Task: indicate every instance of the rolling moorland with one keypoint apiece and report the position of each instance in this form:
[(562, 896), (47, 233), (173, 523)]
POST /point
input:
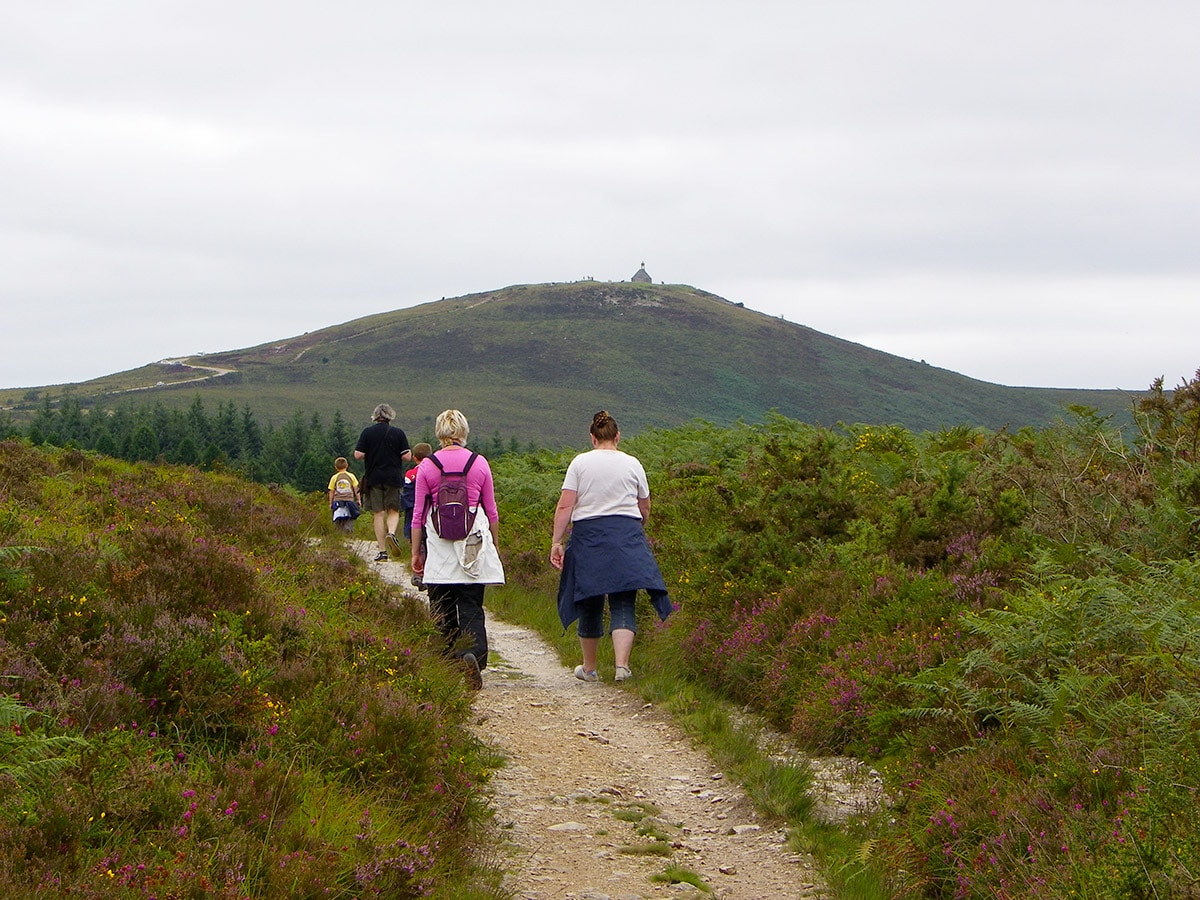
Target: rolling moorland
[(207, 695), (533, 362)]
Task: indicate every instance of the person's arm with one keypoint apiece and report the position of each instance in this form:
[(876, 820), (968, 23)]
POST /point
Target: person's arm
[(562, 518), (644, 509), (417, 528), (358, 454), (417, 563), (487, 500)]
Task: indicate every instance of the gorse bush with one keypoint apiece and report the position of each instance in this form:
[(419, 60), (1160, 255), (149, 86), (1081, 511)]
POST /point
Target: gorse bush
[(1003, 623), (230, 706)]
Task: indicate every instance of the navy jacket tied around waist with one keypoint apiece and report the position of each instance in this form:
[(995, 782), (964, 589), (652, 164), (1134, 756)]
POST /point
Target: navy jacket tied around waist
[(607, 555)]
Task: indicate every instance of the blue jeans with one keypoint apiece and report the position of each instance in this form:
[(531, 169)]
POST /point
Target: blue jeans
[(620, 614)]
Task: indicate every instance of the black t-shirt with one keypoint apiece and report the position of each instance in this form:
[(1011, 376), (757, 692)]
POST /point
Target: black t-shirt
[(384, 446)]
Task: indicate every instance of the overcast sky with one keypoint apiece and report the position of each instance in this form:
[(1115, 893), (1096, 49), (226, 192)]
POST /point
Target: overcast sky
[(1010, 191)]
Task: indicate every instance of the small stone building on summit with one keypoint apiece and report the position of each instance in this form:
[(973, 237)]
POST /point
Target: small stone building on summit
[(641, 276)]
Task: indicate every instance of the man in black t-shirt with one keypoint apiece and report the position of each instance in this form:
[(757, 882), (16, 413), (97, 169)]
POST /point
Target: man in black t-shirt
[(385, 449)]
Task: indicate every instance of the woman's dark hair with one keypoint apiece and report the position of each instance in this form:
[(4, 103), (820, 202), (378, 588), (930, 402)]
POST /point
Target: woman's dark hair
[(604, 426)]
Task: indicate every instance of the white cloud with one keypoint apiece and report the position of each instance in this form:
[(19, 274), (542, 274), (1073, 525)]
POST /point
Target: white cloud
[(1001, 191), (1113, 332)]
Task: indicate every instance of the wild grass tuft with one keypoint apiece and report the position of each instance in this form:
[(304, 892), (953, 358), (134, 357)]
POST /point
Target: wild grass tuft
[(680, 875)]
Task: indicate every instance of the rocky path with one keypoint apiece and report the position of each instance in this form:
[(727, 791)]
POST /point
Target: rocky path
[(603, 797)]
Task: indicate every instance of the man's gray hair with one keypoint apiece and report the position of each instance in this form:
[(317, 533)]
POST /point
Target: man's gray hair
[(383, 413)]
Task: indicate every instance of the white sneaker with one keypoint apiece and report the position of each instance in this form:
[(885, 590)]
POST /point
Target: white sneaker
[(586, 676), (624, 673)]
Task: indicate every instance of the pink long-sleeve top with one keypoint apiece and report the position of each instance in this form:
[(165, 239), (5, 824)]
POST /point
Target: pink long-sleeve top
[(480, 491)]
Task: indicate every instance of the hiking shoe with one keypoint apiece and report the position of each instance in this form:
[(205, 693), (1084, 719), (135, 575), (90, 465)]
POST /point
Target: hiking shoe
[(392, 544), (417, 582), (624, 673), (474, 676), (381, 556), (586, 676)]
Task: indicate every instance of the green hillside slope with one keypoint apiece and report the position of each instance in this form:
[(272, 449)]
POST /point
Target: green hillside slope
[(535, 361)]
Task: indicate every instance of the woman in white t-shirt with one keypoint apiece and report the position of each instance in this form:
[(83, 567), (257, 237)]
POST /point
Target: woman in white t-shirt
[(606, 502)]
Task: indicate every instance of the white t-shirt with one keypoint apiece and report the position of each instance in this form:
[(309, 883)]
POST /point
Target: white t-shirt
[(606, 483)]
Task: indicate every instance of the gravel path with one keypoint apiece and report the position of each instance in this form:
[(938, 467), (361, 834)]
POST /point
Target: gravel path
[(602, 793)]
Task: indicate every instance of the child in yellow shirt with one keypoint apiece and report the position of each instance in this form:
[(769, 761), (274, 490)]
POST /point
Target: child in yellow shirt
[(343, 495)]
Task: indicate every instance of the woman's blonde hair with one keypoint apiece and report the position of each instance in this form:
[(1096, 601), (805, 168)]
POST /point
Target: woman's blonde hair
[(451, 427), (604, 426)]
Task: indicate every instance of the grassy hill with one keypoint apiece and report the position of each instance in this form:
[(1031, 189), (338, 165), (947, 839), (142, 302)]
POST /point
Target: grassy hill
[(535, 361)]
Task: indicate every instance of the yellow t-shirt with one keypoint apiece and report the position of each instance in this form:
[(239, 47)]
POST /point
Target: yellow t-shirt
[(343, 484)]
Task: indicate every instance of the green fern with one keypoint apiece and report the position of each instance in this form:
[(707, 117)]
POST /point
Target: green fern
[(866, 850), (1114, 653), (31, 759), (10, 573)]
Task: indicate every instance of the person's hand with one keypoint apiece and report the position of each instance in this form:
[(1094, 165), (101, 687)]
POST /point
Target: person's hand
[(418, 564), (556, 556)]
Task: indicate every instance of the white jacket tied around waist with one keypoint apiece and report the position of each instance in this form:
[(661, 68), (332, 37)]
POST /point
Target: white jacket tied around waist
[(474, 560)]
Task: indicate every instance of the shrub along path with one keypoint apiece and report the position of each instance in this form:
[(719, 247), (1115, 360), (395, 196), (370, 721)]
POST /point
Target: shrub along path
[(603, 795)]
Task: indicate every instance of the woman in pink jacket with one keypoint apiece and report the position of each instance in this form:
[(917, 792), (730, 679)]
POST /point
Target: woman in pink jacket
[(455, 571)]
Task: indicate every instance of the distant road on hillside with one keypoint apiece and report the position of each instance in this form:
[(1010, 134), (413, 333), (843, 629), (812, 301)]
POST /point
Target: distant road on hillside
[(213, 372)]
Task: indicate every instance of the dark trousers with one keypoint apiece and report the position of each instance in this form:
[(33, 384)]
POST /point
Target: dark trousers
[(458, 610)]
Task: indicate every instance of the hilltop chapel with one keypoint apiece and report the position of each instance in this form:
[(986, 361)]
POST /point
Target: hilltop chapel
[(641, 276)]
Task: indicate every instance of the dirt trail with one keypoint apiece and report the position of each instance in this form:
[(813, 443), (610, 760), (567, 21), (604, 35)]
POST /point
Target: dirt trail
[(595, 773)]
